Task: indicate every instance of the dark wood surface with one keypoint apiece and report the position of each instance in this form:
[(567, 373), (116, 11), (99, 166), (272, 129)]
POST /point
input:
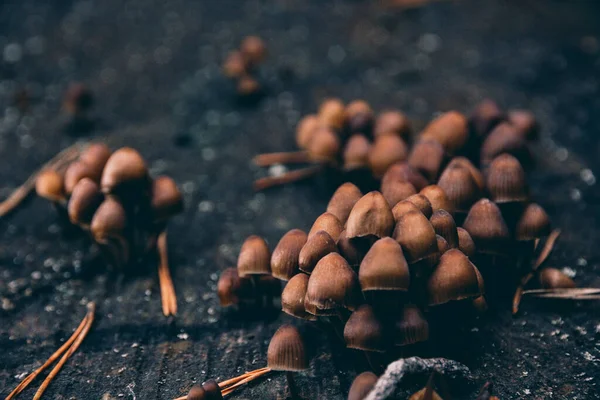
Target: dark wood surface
[(154, 67)]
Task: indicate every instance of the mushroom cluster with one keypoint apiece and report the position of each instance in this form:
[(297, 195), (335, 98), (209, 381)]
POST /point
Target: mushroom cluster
[(240, 65), (378, 264), (112, 196), (353, 137), (251, 284)]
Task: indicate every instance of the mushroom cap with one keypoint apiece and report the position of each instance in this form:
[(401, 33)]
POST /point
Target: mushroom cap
[(75, 172), (84, 201), (50, 185), (332, 286), (349, 250), (254, 257), (412, 327), (460, 187), (392, 122), (453, 279), (332, 112), (356, 152), (235, 65), (487, 227), (533, 224), (197, 392), (166, 200), (525, 123), (231, 288), (287, 351), (329, 223), (342, 201), (385, 152), (485, 116), (362, 385), (422, 203), (316, 247), (427, 157), (450, 129), (109, 219), (360, 116), (504, 138), (442, 244), (306, 129), (506, 180), (402, 208), (475, 172), (403, 172), (96, 156), (444, 225), (552, 278), (292, 297), (384, 267), (212, 389), (415, 234), (397, 192), (438, 198), (364, 331), (324, 145), (125, 169), (465, 242), (370, 216), (284, 260), (254, 49)]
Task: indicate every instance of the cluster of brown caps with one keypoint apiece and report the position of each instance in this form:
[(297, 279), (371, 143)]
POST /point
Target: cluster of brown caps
[(241, 64), (383, 260), (352, 137), (112, 196), (251, 284)]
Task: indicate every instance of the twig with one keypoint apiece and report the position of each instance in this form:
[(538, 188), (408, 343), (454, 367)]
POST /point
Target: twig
[(167, 290), (288, 177), (66, 346), (58, 162), (292, 157), (547, 249), (395, 372), (566, 294), (252, 377), (545, 252), (72, 349)]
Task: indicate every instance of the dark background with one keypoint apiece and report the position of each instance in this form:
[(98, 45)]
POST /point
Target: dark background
[(154, 67)]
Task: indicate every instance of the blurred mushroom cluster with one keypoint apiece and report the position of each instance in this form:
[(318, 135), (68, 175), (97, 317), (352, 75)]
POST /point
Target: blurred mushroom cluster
[(241, 65), (112, 196), (352, 137)]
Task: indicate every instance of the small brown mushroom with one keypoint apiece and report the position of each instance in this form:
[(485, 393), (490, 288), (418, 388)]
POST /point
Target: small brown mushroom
[(292, 297), (342, 201), (332, 287), (316, 247), (284, 260), (371, 216)]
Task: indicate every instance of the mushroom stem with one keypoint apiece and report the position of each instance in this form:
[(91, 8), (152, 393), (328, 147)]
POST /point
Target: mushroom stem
[(58, 163), (289, 177), (291, 157), (70, 346), (289, 375), (167, 290), (544, 253)]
